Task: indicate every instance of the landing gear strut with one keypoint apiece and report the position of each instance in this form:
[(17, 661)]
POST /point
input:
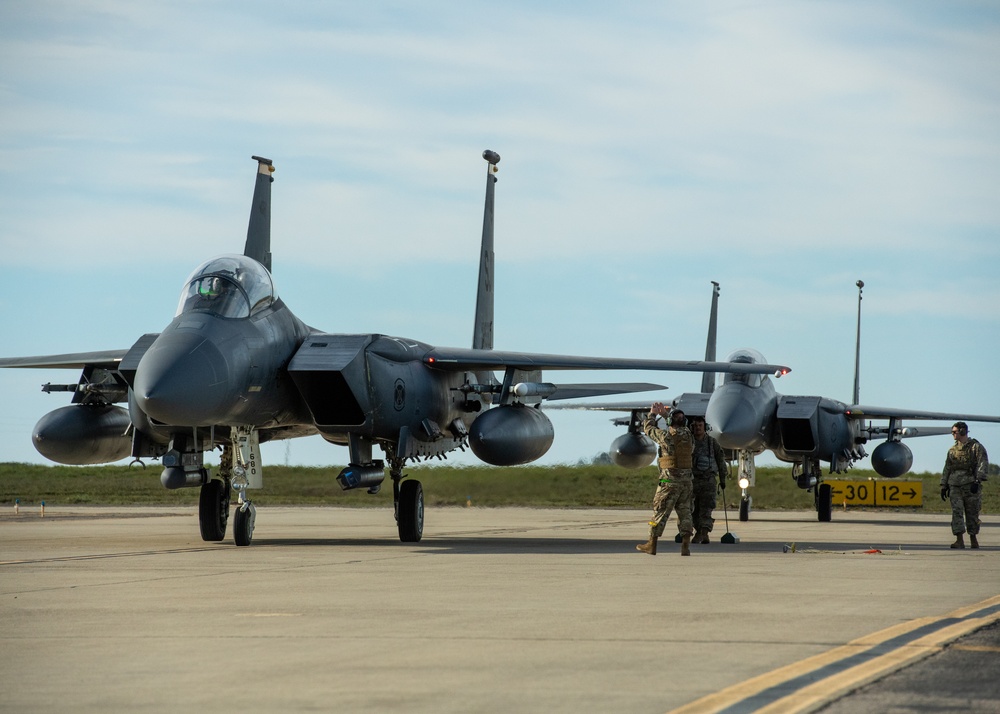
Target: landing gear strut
[(213, 504), (745, 502), (408, 501), (244, 459), (246, 514), (746, 477)]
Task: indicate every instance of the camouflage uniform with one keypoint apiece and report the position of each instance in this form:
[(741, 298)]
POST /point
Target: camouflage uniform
[(708, 461), (674, 489), (965, 466)]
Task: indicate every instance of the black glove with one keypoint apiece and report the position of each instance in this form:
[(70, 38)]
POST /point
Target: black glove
[(722, 486), (974, 488), (945, 492)]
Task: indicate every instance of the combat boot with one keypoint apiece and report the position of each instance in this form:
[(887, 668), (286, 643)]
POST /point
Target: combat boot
[(686, 544), (959, 541), (649, 546), (973, 541), (701, 536)]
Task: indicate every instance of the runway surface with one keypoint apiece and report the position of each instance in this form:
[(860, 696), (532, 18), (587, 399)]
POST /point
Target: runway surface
[(496, 610)]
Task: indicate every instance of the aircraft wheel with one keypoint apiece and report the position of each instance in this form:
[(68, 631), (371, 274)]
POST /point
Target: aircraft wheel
[(213, 510), (745, 508), (243, 525), (411, 512), (824, 502)]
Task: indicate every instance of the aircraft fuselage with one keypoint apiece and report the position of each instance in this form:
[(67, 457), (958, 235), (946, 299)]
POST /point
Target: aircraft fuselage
[(746, 417), (742, 416), (379, 387), (205, 371)]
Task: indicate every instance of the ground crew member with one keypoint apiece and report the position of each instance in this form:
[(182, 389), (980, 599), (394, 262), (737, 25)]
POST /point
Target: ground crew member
[(674, 489), (964, 471), (708, 462)]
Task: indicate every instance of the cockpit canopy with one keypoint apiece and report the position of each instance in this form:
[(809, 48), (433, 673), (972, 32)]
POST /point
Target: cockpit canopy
[(745, 357), (233, 286)]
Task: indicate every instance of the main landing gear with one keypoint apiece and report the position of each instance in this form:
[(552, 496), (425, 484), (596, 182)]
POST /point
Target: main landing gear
[(213, 509), (408, 502), (808, 475), (824, 502)]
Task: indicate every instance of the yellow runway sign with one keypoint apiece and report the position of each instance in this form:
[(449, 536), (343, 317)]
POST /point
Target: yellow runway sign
[(877, 492)]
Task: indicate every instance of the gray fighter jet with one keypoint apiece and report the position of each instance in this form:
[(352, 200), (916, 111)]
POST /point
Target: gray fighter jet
[(235, 368), (747, 416)]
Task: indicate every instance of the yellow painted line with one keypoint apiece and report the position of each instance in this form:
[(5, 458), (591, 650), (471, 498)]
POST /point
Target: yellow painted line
[(971, 648), (840, 680)]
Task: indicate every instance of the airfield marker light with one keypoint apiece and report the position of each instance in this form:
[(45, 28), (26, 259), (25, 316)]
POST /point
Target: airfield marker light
[(43, 509), (744, 482), (17, 505)]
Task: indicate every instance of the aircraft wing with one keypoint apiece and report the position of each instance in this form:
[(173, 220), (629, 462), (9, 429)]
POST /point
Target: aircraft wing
[(604, 406), (691, 403), (578, 391), (108, 359), (859, 411), (457, 359), (911, 432)]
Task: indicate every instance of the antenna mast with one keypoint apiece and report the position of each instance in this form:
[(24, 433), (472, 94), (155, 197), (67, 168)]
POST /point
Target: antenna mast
[(857, 347)]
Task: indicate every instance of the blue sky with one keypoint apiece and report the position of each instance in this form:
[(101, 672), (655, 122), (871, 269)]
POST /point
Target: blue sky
[(783, 149)]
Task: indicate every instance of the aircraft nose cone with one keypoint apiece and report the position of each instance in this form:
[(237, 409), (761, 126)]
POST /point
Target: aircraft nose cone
[(734, 421), (183, 379)]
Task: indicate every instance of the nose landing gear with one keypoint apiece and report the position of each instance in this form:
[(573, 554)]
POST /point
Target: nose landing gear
[(238, 470)]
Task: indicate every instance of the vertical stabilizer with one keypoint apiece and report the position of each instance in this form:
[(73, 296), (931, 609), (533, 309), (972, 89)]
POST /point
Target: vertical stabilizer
[(708, 378), (482, 334), (857, 349), (258, 244)]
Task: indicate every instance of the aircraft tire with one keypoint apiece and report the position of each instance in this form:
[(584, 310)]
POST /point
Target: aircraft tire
[(824, 503), (745, 509), (411, 512), (243, 525), (213, 510)]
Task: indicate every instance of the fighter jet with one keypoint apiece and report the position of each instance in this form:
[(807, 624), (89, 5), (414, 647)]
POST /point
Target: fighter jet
[(235, 368), (747, 416)]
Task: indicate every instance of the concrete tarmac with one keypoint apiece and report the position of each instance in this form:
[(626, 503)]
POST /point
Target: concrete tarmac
[(496, 610)]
